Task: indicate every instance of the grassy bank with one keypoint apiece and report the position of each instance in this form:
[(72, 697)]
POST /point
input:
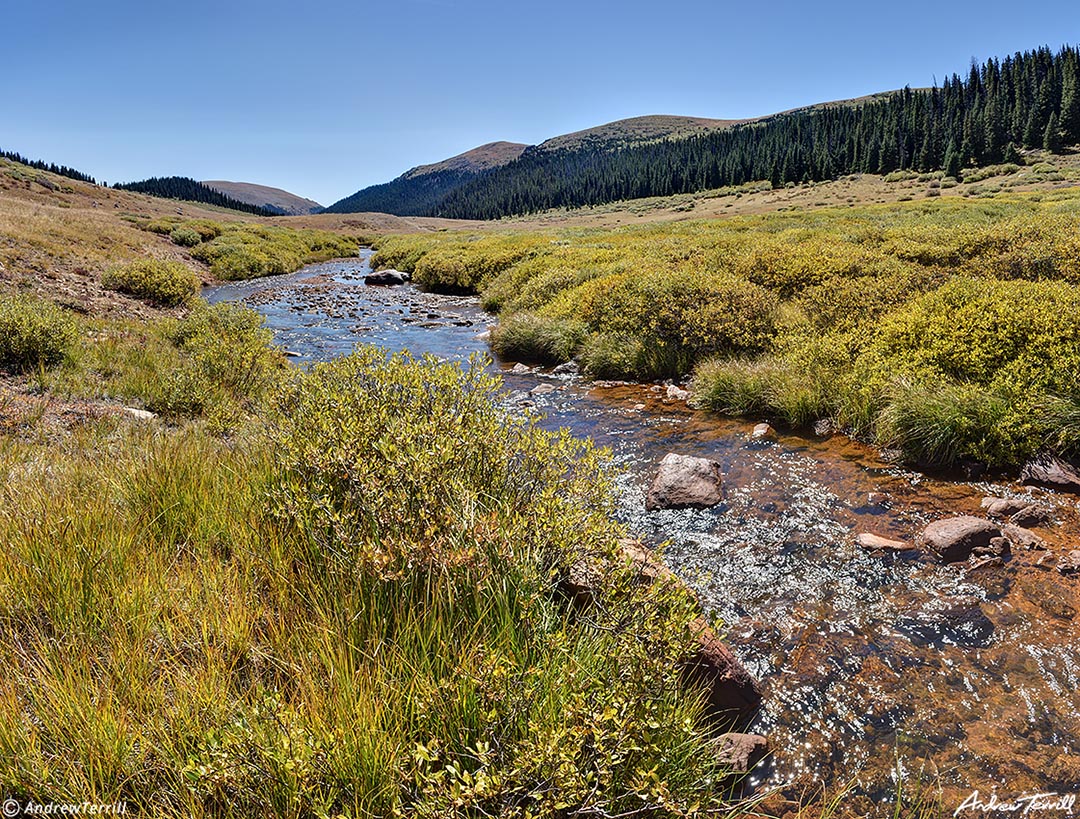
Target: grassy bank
[(946, 328), (319, 594)]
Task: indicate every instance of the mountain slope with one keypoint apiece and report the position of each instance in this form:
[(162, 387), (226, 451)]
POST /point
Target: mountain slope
[(421, 189), (272, 199)]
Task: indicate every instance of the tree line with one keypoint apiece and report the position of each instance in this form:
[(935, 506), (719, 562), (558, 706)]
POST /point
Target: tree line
[(1028, 100), (51, 167), (189, 190)]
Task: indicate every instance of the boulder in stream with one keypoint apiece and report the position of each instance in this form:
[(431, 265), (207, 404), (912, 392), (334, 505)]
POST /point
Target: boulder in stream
[(877, 543), (685, 482), (1003, 507), (387, 278), (954, 539), (1070, 564)]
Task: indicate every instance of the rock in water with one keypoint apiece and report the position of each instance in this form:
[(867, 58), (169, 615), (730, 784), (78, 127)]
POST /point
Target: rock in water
[(685, 482), (953, 539), (1070, 564), (877, 543), (1003, 507), (763, 432), (730, 691), (740, 752), (676, 393), (1033, 515), (387, 278), (1051, 471)]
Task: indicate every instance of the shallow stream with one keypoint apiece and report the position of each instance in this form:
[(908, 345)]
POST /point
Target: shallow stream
[(963, 679)]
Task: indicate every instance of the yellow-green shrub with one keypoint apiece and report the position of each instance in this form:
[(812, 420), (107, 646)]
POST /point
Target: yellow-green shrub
[(33, 333), (158, 281)]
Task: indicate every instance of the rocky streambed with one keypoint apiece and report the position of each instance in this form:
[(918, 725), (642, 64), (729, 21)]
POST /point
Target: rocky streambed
[(876, 656)]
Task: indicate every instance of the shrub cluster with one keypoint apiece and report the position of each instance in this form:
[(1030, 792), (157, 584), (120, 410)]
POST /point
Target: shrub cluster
[(33, 333), (158, 281), (849, 314)]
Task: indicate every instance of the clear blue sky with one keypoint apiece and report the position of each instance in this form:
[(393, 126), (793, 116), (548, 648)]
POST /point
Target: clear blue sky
[(323, 98)]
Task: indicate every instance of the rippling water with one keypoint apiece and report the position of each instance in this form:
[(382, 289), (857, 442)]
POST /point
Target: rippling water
[(871, 664)]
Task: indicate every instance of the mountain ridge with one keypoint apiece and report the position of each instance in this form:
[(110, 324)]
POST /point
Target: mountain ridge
[(272, 199)]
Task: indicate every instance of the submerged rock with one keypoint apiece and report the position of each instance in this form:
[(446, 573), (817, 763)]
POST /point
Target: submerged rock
[(740, 752), (684, 482), (961, 623), (877, 543), (953, 539), (1051, 471)]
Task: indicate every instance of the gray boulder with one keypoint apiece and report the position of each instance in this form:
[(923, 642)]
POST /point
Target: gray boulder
[(685, 482), (387, 278)]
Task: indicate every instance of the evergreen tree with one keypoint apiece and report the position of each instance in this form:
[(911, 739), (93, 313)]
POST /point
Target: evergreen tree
[(1052, 136), (952, 161)]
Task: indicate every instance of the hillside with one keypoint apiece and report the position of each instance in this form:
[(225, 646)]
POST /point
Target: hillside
[(272, 199), (1023, 102), (624, 132), (421, 189)]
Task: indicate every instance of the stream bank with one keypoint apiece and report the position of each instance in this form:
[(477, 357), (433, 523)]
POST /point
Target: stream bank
[(869, 662)]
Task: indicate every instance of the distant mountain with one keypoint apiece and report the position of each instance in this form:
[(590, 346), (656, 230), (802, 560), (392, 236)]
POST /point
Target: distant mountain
[(1028, 100), (421, 189), (274, 200), (188, 190)]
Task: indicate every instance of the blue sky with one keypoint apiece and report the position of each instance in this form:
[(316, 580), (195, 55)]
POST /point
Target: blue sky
[(323, 98)]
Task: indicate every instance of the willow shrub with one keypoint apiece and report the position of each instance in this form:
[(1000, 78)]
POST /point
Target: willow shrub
[(34, 333), (159, 281)]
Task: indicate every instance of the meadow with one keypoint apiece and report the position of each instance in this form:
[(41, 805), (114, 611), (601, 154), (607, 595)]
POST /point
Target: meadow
[(332, 592), (946, 329)]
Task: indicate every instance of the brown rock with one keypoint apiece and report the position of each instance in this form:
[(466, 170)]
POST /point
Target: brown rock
[(1003, 507), (740, 752), (1051, 471), (1032, 515), (684, 481), (877, 543), (953, 539), (730, 691), (1024, 538), (763, 432), (1070, 564)]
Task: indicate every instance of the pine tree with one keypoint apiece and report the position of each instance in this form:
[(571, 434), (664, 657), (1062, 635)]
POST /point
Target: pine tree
[(952, 160), (1052, 136), (1070, 98)]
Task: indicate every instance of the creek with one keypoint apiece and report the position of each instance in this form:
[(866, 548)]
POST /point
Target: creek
[(873, 666)]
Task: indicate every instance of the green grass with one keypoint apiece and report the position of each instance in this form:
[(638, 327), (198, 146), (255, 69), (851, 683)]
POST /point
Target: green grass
[(237, 250), (344, 604)]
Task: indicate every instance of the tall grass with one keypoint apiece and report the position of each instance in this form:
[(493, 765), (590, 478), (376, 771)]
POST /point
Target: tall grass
[(345, 607)]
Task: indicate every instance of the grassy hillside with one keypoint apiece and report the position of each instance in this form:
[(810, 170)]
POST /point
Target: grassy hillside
[(945, 328), (62, 239), (273, 199)]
